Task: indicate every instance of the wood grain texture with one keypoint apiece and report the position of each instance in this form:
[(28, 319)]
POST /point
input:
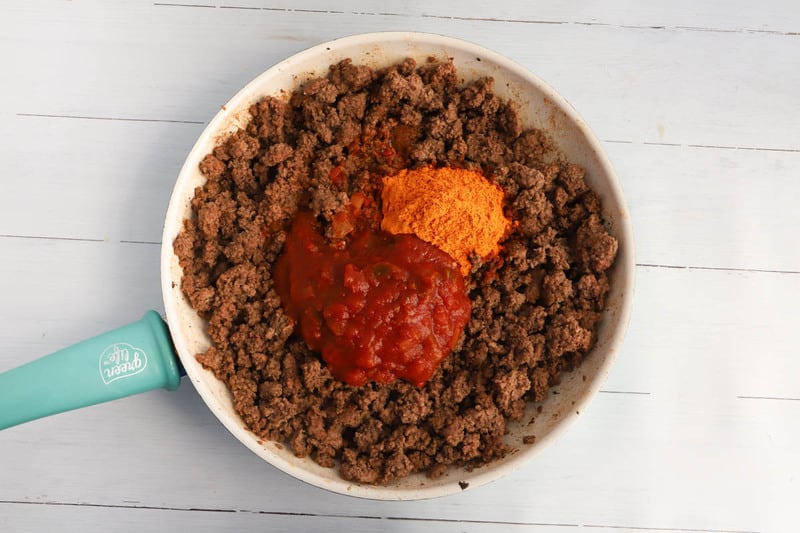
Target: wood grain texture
[(773, 16), (657, 459), (26, 517), (681, 214), (167, 63), (697, 428)]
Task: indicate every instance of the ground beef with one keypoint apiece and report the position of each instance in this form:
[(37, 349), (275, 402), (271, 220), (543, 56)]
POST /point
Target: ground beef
[(535, 306)]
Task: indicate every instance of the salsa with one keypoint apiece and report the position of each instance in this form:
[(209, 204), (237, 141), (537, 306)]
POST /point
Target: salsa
[(381, 308)]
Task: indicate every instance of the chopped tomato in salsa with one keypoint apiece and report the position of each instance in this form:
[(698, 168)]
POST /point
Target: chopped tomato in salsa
[(384, 307)]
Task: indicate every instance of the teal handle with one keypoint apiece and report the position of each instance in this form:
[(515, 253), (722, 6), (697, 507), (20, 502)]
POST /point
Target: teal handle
[(135, 358)]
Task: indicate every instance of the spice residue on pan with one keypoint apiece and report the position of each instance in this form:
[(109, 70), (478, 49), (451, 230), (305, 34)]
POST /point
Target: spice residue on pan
[(534, 300)]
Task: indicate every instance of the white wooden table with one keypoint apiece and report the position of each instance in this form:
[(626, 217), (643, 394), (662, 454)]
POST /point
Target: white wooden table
[(698, 427)]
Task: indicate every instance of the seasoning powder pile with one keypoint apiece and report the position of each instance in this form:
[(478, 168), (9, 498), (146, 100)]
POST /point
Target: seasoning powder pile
[(456, 210)]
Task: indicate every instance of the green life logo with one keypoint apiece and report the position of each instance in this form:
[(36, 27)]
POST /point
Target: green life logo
[(121, 360)]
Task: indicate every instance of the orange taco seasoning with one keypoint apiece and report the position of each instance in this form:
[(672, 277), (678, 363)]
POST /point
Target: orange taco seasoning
[(457, 210)]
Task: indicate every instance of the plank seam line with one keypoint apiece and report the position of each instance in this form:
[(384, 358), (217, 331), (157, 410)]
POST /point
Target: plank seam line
[(76, 239), (120, 119), (741, 30), (141, 242), (779, 398), (495, 19), (37, 237), (753, 148), (278, 513), (613, 141), (645, 265), (707, 146), (398, 518), (117, 506), (720, 269), (286, 513)]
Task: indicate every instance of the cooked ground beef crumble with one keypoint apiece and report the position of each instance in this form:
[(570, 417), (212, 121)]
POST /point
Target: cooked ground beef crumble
[(534, 308)]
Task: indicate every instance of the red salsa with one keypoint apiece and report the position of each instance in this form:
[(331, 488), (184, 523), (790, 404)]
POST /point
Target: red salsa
[(383, 307)]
